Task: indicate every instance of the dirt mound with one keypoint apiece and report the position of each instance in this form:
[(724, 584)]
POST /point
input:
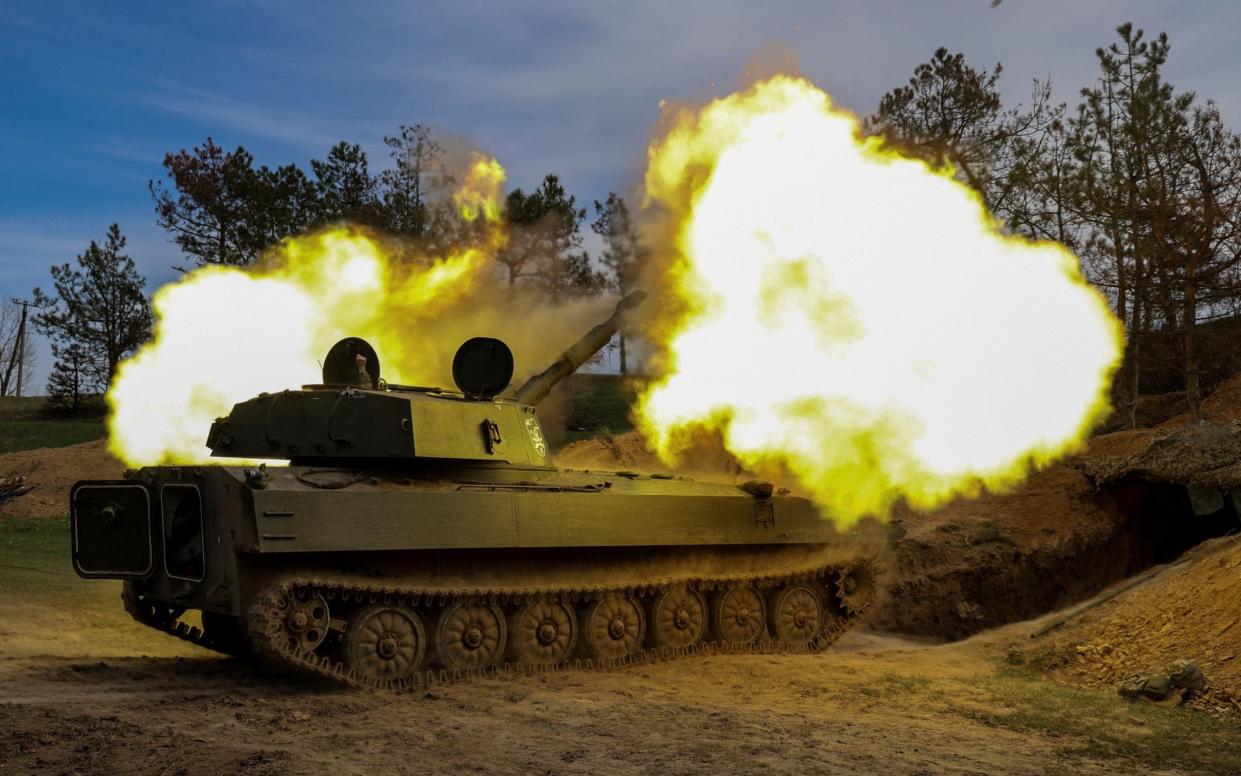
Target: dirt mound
[(980, 563), (1224, 403), (52, 471), (626, 451), (1187, 612), (1128, 501), (1206, 454), (706, 459), (1221, 406)]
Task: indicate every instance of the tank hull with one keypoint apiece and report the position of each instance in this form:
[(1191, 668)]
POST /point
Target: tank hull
[(251, 549)]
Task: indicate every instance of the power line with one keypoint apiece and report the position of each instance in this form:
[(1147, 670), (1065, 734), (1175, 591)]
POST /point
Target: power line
[(19, 347)]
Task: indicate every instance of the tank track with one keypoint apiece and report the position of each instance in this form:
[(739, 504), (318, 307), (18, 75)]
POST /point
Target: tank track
[(267, 610), (166, 620)]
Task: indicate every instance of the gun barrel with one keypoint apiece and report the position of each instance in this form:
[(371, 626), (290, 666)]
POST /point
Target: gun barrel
[(536, 388)]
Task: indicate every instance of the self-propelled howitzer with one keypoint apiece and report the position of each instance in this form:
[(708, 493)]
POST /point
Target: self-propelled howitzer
[(419, 534)]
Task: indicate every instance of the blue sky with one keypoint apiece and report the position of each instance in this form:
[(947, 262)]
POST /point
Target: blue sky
[(94, 94)]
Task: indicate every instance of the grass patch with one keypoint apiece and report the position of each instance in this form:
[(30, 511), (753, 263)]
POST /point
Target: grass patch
[(899, 683), (34, 556), (26, 425), (22, 407), (595, 405), (37, 408), (32, 434), (893, 685), (599, 402), (1106, 727)]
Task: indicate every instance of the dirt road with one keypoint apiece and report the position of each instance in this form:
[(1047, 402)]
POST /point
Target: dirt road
[(83, 690)]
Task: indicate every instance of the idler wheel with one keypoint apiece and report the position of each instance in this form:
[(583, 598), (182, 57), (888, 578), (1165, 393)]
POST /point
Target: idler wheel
[(678, 618), (542, 632), (796, 614), (855, 588), (470, 636), (615, 626), (738, 615), (384, 642)]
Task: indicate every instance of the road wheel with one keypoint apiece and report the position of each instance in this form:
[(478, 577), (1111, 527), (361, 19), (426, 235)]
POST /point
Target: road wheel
[(384, 643), (470, 636), (796, 614), (678, 618), (542, 632), (614, 627), (738, 614)]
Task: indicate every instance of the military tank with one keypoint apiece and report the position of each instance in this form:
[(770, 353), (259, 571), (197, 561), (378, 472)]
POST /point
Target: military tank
[(418, 534)]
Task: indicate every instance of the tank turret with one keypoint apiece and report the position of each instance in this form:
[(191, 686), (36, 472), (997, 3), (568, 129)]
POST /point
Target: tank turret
[(354, 414)]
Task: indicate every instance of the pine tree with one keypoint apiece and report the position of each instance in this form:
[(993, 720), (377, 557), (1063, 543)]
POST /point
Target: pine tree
[(73, 378), (211, 201), (344, 187), (1158, 181), (98, 308), (623, 253), (951, 114), (545, 240), (418, 171)]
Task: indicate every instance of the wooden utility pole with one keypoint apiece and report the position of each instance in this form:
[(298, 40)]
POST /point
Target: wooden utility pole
[(19, 347)]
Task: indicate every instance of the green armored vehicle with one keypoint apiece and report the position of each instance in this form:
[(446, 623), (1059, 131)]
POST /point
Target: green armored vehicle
[(420, 534)]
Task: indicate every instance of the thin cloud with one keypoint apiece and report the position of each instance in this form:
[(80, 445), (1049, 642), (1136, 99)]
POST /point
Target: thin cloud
[(28, 247), (292, 127)]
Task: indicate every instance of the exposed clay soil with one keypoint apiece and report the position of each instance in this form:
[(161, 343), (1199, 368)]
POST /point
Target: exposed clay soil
[(707, 460), (53, 471), (1191, 611), (980, 563)]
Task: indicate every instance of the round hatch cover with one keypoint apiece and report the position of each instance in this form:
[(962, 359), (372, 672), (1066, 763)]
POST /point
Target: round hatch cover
[(352, 361), (482, 367)]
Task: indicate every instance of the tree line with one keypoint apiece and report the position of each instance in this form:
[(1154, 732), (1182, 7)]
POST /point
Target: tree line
[(220, 208), (1140, 180)]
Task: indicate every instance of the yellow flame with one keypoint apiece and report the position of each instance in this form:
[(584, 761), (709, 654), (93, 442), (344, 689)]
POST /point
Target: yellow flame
[(857, 319), (223, 334), (479, 195)]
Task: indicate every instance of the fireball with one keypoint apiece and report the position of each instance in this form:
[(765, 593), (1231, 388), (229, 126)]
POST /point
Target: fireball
[(856, 319), (225, 334)]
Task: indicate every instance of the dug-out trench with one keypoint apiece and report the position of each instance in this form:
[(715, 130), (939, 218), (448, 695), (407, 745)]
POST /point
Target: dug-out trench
[(954, 581)]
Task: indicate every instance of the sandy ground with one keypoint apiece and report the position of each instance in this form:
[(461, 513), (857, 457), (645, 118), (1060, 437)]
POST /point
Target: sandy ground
[(85, 690), (1190, 611)]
